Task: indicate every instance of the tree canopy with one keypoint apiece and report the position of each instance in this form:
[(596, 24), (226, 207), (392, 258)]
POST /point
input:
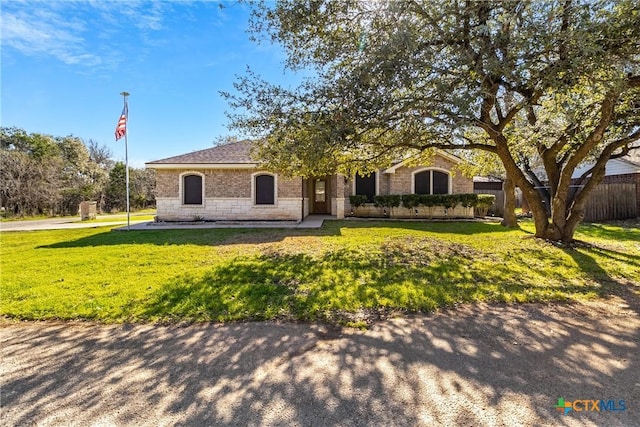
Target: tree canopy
[(545, 85), (43, 174)]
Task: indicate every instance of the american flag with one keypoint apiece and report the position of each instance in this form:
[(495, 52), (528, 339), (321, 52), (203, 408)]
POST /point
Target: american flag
[(121, 127)]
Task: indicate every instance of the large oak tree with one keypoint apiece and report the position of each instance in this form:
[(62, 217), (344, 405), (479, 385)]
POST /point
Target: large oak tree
[(545, 85)]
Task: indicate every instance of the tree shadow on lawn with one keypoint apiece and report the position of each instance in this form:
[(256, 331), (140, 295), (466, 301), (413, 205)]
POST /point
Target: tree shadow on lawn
[(229, 236), (203, 237), (623, 288), (484, 366), (439, 226), (631, 230), (347, 286)]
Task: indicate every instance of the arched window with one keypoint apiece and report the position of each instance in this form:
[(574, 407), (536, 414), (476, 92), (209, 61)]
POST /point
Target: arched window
[(366, 186), (265, 189), (440, 183), (431, 182), (192, 189)]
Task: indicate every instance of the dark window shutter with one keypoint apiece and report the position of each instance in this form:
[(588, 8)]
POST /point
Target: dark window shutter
[(440, 183), (192, 186), (366, 186), (265, 190), (423, 182)]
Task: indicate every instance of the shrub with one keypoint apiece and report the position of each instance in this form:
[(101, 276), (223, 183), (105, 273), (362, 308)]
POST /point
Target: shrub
[(357, 200), (410, 201), (390, 201), (468, 200), (429, 200), (485, 200), (449, 201)]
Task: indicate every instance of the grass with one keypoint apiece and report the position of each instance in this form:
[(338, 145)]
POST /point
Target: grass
[(143, 214), (347, 272)]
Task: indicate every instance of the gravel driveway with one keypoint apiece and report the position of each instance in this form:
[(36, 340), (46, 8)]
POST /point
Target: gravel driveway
[(476, 366)]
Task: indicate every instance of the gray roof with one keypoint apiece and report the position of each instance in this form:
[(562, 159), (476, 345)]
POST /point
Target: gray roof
[(232, 153)]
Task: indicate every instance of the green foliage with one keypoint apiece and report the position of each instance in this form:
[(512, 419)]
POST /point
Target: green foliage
[(445, 200), (42, 174), (539, 85), (387, 201), (116, 191), (333, 274), (410, 201), (468, 200), (357, 200), (449, 201), (429, 200), (485, 200)]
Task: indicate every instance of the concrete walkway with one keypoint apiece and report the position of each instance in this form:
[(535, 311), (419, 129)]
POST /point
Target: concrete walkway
[(312, 221), (65, 223), (475, 366)]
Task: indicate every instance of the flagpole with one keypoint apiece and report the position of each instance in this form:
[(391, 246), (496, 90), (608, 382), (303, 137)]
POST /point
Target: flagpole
[(126, 156)]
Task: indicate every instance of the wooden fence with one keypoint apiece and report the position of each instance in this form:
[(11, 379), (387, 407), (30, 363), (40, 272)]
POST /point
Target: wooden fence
[(606, 202), (612, 201)]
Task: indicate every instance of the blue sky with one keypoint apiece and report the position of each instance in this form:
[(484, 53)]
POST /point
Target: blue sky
[(64, 64)]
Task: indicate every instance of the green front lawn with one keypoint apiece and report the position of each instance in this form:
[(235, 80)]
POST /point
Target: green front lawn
[(345, 272)]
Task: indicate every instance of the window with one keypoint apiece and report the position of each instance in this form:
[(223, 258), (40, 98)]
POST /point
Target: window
[(192, 189), (431, 182), (440, 183), (265, 190), (423, 183), (366, 186)]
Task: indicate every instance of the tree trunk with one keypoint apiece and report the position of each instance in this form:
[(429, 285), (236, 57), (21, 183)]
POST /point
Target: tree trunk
[(509, 219)]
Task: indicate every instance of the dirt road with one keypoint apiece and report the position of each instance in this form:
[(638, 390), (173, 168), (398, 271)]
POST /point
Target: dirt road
[(476, 366)]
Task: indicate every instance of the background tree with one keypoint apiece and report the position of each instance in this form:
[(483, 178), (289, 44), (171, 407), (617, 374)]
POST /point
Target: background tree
[(116, 192), (143, 184), (29, 175), (75, 174), (100, 163), (42, 174), (549, 83)]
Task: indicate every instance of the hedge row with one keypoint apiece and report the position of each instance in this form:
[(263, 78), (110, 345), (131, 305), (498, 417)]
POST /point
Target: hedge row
[(411, 201)]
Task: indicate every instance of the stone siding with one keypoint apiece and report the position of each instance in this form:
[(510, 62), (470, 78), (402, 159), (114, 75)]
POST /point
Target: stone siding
[(289, 187), (227, 196), (167, 183), (228, 209), (225, 183), (400, 182), (369, 210)]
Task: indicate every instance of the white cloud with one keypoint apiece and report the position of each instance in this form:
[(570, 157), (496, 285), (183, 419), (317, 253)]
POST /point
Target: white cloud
[(79, 33)]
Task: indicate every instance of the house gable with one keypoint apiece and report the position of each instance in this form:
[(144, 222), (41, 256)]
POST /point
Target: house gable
[(400, 178), (235, 155), (229, 177), (439, 153)]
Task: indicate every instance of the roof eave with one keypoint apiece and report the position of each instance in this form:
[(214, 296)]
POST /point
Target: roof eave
[(439, 152), (193, 166)]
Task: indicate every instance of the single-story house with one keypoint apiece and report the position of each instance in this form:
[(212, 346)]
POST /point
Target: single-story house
[(225, 183)]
